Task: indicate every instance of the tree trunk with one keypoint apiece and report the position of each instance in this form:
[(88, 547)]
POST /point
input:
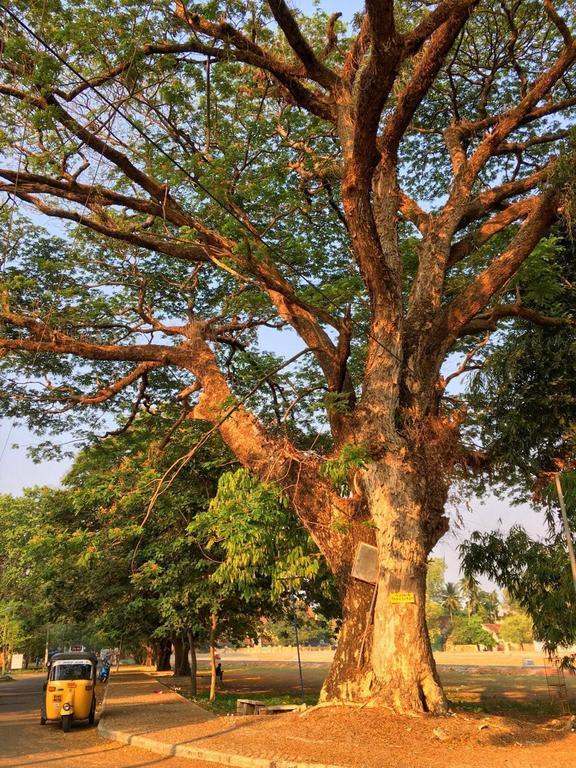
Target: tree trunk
[(148, 654), (163, 655), (384, 656), (178, 650), (181, 662), (213, 624), (193, 665)]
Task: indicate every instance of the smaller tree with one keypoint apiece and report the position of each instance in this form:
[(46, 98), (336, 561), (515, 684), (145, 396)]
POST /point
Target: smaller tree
[(490, 604), (435, 583), (436, 627), (470, 589), (517, 628), (469, 631), (12, 637), (451, 599), (536, 575)]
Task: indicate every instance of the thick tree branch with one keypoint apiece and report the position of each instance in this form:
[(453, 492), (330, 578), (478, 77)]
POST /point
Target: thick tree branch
[(559, 22), (462, 309), (425, 72), (373, 86), (520, 146), (488, 321), (111, 390), (472, 127), (72, 189), (47, 340), (186, 251), (411, 211), (240, 48), (443, 12), (491, 199), (488, 229), (315, 69), (356, 52)]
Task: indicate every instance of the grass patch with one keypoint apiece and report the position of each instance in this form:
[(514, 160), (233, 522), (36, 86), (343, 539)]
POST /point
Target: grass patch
[(225, 703), (503, 694)]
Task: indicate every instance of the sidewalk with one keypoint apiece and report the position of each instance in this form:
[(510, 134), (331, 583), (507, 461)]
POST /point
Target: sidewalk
[(141, 711)]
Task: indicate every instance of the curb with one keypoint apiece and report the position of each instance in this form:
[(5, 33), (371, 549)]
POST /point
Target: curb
[(197, 753)]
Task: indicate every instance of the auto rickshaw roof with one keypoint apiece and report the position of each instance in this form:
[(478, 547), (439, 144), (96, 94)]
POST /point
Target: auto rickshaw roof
[(74, 656)]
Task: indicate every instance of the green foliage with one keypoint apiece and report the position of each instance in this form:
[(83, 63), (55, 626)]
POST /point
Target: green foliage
[(516, 628), (564, 180), (313, 627), (436, 627), (13, 635), (451, 599), (436, 613), (435, 584), (214, 542), (257, 545), (523, 400), (469, 631), (536, 574), (340, 469)]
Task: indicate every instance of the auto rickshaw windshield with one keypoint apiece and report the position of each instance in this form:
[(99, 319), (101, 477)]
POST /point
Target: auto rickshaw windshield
[(68, 671)]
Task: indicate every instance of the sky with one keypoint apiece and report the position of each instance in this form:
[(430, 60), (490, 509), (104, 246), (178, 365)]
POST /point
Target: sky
[(17, 470)]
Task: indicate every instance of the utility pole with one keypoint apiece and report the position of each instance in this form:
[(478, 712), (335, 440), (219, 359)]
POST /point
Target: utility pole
[(567, 532)]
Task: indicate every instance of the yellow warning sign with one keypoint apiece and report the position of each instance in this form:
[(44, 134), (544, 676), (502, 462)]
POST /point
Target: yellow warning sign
[(401, 597)]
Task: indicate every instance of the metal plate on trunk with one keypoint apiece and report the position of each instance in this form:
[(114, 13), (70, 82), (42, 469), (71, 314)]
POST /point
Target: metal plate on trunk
[(365, 566)]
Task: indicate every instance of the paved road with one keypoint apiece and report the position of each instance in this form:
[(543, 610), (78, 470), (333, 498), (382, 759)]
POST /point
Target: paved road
[(24, 742)]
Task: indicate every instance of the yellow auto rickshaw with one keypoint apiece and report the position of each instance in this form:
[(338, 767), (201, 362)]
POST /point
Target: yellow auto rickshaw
[(70, 689)]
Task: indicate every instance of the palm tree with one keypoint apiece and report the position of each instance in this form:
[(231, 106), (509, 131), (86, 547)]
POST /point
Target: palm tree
[(470, 589), (491, 604), (451, 599)]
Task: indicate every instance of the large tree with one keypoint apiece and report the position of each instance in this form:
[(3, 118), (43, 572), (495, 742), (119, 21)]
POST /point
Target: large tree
[(234, 166)]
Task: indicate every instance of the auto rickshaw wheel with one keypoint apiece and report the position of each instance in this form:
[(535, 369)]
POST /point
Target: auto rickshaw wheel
[(92, 714), (42, 720), (66, 723)]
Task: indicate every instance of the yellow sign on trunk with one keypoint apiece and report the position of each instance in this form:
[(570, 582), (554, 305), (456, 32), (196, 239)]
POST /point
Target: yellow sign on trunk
[(401, 597)]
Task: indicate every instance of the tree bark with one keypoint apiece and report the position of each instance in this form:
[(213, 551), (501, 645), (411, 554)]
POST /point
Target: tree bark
[(213, 625), (177, 645), (163, 653), (181, 661), (148, 653), (193, 665), (384, 656)]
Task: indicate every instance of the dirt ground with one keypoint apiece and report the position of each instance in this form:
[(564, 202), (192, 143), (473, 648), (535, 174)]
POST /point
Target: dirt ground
[(491, 690), (502, 717)]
